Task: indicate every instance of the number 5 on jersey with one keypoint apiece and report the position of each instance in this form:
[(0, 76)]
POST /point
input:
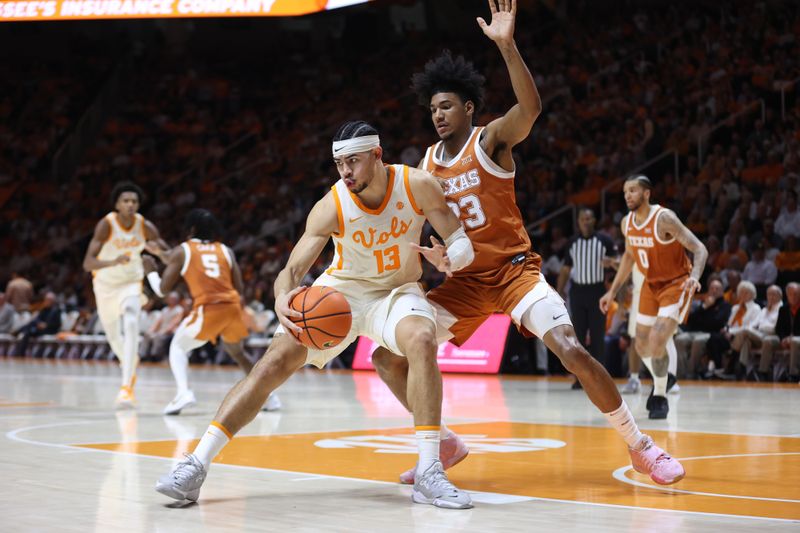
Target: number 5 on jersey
[(391, 261), (211, 265)]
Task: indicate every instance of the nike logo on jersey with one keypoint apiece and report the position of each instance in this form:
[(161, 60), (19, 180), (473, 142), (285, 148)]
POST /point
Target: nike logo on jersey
[(559, 316), (356, 218), (461, 182)]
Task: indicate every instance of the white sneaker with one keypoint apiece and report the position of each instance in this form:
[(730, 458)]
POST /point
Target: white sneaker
[(181, 401), (185, 480), (433, 488), (675, 389), (125, 399), (273, 403), (633, 386)]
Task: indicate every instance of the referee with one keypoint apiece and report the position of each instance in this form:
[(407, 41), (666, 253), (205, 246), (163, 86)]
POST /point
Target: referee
[(588, 255)]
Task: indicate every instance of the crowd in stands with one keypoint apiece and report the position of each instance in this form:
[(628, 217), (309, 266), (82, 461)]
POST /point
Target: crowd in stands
[(238, 120)]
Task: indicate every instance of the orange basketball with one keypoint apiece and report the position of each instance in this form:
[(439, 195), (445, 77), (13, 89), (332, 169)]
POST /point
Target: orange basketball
[(326, 317)]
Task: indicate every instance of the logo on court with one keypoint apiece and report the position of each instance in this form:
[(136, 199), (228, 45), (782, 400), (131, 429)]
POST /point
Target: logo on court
[(478, 444)]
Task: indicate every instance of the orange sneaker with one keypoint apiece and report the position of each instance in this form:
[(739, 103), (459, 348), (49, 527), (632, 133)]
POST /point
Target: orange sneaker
[(125, 398), (651, 460), (452, 450)]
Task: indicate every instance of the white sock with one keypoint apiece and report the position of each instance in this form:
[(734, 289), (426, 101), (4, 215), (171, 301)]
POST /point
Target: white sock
[(130, 340), (648, 362), (672, 353), (215, 438), (660, 385), (179, 364), (634, 377), (428, 444), (622, 420), (443, 432)]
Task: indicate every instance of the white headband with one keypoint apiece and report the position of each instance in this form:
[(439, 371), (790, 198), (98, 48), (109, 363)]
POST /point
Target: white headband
[(355, 145)]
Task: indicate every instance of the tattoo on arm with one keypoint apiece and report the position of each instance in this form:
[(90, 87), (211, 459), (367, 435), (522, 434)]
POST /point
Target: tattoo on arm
[(670, 226)]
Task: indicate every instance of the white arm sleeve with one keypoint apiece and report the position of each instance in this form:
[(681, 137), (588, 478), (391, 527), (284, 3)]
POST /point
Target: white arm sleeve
[(154, 279), (459, 250)]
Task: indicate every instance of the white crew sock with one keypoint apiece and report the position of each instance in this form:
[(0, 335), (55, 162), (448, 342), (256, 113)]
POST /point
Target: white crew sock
[(179, 364), (215, 438), (622, 420), (660, 385), (428, 444)]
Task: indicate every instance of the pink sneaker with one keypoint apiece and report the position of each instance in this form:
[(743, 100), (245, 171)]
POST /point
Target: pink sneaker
[(657, 463), (452, 450)]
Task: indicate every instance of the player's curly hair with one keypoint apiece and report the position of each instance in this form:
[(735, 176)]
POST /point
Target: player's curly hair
[(452, 75), (126, 186), (203, 225)]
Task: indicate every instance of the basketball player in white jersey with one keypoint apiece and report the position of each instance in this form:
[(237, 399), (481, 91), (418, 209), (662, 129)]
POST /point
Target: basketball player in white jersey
[(215, 281), (375, 215), (634, 385), (114, 258)]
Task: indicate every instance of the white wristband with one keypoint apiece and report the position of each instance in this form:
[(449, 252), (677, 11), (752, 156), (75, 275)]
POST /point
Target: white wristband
[(155, 283), (459, 250)]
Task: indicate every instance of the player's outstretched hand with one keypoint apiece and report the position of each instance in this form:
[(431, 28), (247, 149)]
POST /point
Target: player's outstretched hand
[(501, 28), (605, 302), (285, 313), (436, 255)]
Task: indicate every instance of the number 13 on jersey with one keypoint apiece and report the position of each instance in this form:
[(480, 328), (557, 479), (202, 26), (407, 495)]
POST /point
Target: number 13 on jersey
[(387, 258)]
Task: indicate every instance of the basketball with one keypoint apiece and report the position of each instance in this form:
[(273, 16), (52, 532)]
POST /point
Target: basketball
[(326, 317)]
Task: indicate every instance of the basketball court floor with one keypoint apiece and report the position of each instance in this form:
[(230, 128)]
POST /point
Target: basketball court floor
[(542, 457)]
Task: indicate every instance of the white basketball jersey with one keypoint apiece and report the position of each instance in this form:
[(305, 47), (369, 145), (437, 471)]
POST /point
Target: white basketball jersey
[(373, 245), (122, 241)]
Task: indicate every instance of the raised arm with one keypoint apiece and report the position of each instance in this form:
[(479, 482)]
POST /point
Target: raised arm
[(429, 197), (670, 226), (102, 231), (322, 222), (513, 127)]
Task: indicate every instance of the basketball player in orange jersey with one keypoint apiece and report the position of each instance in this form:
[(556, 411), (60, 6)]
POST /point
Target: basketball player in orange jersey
[(375, 214), (114, 258), (476, 169), (657, 242), (212, 273)]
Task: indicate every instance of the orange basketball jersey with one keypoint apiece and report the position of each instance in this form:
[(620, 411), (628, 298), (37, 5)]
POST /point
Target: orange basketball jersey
[(207, 269), (482, 195), (660, 261)]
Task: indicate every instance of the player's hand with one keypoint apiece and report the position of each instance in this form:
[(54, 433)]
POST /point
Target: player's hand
[(605, 302), (285, 313), (436, 255), (501, 28), (149, 264), (691, 286), (122, 259)]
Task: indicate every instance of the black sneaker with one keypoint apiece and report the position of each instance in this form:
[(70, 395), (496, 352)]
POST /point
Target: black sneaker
[(671, 381), (576, 385), (659, 407)]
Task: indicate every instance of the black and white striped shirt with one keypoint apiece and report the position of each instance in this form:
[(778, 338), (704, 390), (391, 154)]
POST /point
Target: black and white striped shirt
[(585, 257)]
